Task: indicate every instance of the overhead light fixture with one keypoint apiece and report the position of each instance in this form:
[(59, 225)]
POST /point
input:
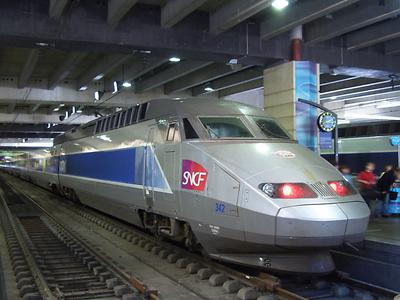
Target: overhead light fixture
[(387, 104), (333, 97), (116, 87), (41, 44), (79, 111), (370, 117), (98, 77), (98, 95), (56, 109), (280, 4), (83, 88), (62, 104), (126, 84), (208, 87), (174, 59)]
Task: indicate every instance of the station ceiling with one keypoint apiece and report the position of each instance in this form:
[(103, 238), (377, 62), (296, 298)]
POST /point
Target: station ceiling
[(55, 54)]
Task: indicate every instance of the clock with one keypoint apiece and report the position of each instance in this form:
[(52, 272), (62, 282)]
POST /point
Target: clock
[(327, 121)]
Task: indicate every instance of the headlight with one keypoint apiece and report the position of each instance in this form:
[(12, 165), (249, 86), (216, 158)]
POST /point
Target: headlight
[(287, 190)]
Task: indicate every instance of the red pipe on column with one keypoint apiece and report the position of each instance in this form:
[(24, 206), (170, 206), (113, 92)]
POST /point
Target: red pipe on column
[(295, 43)]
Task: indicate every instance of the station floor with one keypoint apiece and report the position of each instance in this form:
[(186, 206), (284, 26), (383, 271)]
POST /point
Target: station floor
[(384, 230)]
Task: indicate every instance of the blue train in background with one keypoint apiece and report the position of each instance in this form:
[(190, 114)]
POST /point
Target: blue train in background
[(356, 152)]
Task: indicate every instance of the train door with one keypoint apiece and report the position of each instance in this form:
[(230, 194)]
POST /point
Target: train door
[(148, 165)]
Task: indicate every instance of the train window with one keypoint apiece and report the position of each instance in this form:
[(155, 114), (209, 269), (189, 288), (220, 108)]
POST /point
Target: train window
[(270, 128), (135, 114), (103, 125), (143, 109), (123, 116), (117, 117), (108, 123), (171, 132), (98, 126), (128, 117), (225, 127), (190, 133), (112, 126)]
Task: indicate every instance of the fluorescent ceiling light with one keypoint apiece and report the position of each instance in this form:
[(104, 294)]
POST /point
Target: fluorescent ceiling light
[(98, 77), (343, 121), (370, 117), (79, 111), (126, 84), (209, 89), (174, 59), (115, 87), (387, 104), (334, 97), (280, 4), (56, 109), (83, 88)]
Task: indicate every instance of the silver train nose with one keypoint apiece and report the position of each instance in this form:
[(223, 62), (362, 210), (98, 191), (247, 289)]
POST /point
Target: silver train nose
[(322, 225)]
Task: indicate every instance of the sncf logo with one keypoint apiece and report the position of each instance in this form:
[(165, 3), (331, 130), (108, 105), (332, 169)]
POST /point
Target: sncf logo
[(194, 176)]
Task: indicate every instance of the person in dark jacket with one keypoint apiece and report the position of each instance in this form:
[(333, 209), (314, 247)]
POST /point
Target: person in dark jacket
[(383, 186)]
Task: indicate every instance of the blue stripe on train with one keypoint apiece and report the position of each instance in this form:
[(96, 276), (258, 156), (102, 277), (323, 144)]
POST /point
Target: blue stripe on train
[(122, 165)]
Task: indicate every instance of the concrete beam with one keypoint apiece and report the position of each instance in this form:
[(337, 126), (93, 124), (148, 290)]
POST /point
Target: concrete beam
[(235, 12), (175, 10), (56, 8), (80, 33), (117, 9), (43, 118), (298, 14), (365, 13), (106, 64), (11, 107), (250, 85), (372, 35), (203, 75), (27, 135), (347, 85), (141, 67), (175, 71), (35, 108), (392, 47), (230, 81), (34, 128), (63, 70), (28, 68), (68, 95)]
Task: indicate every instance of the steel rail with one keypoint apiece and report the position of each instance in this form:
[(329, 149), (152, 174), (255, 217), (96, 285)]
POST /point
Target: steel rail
[(34, 268), (128, 278)]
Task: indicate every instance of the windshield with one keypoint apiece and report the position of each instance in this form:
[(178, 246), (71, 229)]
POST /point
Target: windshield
[(270, 128), (225, 127)]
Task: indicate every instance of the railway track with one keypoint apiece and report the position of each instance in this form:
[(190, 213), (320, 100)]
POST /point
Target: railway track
[(51, 262), (232, 281)]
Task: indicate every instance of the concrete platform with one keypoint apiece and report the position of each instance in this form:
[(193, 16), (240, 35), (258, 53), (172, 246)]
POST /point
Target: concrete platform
[(384, 230)]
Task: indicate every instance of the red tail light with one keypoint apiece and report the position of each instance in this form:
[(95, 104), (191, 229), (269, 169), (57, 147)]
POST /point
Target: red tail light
[(295, 190), (287, 190), (342, 188)]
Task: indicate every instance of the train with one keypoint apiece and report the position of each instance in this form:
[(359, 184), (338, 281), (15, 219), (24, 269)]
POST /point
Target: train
[(220, 177)]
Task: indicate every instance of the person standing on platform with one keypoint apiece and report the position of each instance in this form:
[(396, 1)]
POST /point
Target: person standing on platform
[(346, 172), (393, 203), (367, 180), (383, 186)]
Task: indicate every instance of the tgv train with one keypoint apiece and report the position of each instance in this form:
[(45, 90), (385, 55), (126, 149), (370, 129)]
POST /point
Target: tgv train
[(215, 175)]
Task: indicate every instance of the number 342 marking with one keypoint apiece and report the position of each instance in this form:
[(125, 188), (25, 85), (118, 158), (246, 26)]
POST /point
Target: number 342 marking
[(219, 208)]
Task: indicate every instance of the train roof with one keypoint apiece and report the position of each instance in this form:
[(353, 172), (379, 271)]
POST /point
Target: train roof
[(154, 109)]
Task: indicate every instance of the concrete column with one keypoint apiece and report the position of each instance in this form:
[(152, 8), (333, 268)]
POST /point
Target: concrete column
[(283, 86)]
